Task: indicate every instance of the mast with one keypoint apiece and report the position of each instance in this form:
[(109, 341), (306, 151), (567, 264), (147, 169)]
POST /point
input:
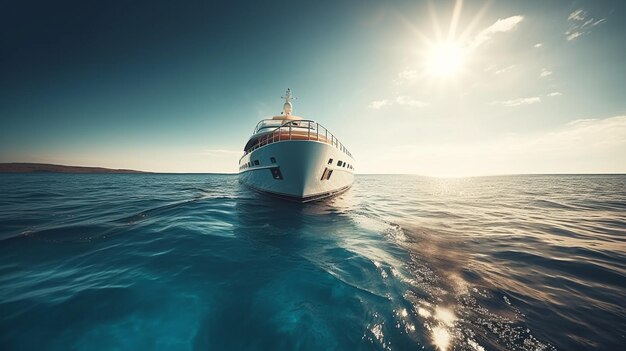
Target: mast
[(288, 107)]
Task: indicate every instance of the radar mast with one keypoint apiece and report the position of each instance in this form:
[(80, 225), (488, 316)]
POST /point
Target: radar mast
[(288, 107)]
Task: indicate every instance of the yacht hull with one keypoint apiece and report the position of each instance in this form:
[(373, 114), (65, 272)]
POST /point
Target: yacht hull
[(298, 170)]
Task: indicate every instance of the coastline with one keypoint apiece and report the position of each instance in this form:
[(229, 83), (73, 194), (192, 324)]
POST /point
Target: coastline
[(17, 167)]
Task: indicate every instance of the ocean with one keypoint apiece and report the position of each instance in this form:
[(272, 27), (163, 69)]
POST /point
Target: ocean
[(398, 262)]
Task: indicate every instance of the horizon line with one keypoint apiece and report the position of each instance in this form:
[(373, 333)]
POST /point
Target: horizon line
[(136, 171)]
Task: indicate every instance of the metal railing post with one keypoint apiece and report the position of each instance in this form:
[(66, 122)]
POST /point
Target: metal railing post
[(308, 135), (289, 131), (317, 130)]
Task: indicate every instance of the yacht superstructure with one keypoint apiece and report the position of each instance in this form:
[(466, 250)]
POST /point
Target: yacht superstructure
[(295, 158)]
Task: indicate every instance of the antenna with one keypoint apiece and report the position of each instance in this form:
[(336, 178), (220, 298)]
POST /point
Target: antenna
[(288, 97), (287, 107)]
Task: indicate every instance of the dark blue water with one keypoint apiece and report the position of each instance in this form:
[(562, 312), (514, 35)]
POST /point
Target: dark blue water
[(197, 262)]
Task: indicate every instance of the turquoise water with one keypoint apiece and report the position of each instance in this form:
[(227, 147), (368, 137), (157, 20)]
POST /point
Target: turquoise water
[(196, 262)]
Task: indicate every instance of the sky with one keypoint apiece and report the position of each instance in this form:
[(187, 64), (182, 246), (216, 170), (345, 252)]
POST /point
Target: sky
[(435, 88)]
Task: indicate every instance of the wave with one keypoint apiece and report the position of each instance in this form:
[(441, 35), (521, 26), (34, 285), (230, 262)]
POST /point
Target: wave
[(397, 262)]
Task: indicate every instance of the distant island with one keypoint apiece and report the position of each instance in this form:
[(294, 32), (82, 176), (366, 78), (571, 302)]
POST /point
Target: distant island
[(50, 168)]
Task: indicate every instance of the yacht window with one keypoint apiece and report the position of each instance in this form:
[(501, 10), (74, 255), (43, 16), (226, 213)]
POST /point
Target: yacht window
[(276, 174), (267, 124), (330, 161), (330, 172), (272, 160), (339, 163), (324, 174), (256, 162)]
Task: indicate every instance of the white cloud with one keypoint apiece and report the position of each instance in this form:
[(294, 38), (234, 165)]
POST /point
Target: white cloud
[(544, 73), (582, 146), (573, 35), (556, 93), (538, 45), (378, 104), (409, 101), (518, 102), (407, 75), (581, 24), (582, 121), (578, 15), (400, 100), (490, 68), (600, 21), (501, 25), (502, 70)]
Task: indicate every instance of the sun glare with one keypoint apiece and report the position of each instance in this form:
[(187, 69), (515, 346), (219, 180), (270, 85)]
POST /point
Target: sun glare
[(445, 59)]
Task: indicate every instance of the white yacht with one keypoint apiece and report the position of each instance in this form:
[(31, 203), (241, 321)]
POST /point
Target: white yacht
[(295, 158)]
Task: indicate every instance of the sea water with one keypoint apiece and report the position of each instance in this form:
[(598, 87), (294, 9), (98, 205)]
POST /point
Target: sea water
[(200, 262)]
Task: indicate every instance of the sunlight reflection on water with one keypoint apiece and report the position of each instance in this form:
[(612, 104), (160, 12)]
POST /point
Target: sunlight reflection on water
[(397, 262)]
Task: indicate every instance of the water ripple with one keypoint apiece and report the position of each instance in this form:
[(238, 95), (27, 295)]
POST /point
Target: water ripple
[(182, 262)]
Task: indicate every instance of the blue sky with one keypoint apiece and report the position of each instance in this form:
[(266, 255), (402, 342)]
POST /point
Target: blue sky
[(442, 88)]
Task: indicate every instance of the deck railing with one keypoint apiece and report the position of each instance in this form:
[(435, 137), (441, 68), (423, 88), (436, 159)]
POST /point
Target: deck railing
[(298, 130)]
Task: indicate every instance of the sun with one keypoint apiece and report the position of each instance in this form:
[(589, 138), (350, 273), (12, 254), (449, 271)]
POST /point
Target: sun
[(445, 59)]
